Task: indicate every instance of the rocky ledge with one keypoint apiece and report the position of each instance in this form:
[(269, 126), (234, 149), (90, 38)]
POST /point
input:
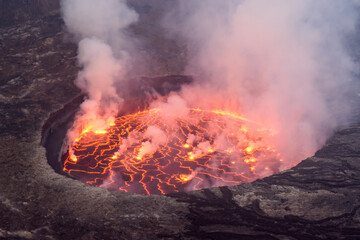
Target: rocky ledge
[(317, 199)]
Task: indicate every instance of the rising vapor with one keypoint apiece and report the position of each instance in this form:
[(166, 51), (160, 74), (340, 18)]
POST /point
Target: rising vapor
[(99, 28), (282, 63), (271, 84)]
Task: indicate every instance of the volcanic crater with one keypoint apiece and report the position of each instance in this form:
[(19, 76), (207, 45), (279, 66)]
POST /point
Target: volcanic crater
[(188, 155), (317, 199)]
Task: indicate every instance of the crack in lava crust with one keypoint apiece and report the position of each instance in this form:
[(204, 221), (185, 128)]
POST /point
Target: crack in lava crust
[(203, 149)]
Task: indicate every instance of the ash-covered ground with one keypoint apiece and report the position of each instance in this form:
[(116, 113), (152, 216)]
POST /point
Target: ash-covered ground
[(317, 199)]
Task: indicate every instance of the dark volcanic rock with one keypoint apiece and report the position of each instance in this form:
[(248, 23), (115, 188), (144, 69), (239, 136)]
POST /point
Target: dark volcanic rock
[(17, 11), (317, 199)]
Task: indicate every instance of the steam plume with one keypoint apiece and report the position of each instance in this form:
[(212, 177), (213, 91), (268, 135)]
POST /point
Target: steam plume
[(99, 28), (157, 137), (283, 61)]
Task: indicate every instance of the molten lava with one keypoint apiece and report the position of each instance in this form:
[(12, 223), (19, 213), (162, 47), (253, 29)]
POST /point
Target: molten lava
[(145, 153)]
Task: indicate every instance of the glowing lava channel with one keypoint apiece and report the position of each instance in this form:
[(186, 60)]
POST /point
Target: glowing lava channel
[(204, 149)]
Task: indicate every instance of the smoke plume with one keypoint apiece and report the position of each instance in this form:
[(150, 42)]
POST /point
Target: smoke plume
[(282, 63), (156, 138), (99, 27), (174, 108)]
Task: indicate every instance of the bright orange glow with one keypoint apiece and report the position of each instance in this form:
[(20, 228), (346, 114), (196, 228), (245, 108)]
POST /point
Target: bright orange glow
[(243, 129), (100, 131), (184, 178), (73, 158), (225, 149), (249, 149), (86, 130)]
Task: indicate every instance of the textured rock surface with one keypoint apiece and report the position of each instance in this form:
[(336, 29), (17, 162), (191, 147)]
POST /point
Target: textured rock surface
[(17, 11), (318, 199)]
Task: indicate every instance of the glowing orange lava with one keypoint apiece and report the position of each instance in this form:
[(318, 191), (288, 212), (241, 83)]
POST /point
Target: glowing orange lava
[(143, 153)]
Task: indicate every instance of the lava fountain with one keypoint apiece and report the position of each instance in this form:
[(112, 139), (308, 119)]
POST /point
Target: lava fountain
[(144, 153)]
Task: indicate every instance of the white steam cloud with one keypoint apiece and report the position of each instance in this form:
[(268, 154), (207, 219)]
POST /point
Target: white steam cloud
[(103, 19), (281, 62), (99, 28), (156, 138), (174, 108)]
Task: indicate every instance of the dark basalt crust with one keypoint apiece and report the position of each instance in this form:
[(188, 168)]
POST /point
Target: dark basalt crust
[(317, 199)]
